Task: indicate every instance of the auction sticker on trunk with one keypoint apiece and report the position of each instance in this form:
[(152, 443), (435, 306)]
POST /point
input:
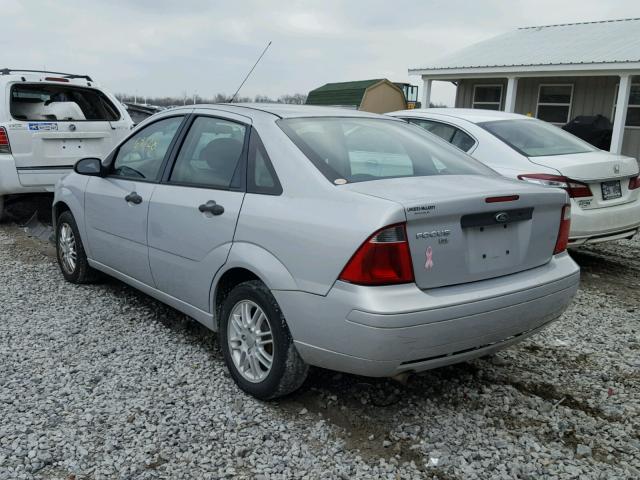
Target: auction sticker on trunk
[(611, 190), (421, 209), (43, 127)]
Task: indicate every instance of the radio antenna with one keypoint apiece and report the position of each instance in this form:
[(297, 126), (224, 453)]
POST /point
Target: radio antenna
[(250, 71)]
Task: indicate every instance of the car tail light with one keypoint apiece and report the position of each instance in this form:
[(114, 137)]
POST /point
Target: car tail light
[(383, 259), (574, 189), (563, 231), (57, 79), (4, 141), (634, 182)]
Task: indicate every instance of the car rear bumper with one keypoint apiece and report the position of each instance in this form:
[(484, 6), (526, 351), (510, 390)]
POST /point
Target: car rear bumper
[(383, 331), (13, 181), (604, 224)]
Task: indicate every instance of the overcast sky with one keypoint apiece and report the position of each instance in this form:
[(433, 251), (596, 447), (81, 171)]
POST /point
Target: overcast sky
[(169, 47)]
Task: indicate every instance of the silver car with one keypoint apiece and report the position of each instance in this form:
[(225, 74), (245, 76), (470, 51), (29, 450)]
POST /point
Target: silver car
[(319, 236)]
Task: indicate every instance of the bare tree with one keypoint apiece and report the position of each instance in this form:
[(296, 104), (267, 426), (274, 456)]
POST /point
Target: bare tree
[(296, 98)]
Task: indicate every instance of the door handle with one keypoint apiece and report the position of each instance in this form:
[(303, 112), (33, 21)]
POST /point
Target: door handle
[(133, 197), (211, 207)]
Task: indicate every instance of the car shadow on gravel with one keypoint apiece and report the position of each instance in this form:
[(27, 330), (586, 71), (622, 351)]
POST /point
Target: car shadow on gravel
[(19, 209), (613, 274), (369, 412), (170, 318)]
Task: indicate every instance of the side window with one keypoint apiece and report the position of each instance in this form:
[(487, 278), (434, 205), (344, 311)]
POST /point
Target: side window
[(463, 141), (442, 130), (141, 156), (210, 154), (262, 177)]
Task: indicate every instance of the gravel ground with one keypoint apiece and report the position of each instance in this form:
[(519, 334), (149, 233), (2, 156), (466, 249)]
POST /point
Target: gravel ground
[(102, 382)]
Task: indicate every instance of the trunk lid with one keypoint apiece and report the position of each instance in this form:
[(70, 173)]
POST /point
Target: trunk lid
[(606, 174), (456, 237), (590, 166)]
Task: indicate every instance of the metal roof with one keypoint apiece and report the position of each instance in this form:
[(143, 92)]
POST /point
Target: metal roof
[(588, 43)]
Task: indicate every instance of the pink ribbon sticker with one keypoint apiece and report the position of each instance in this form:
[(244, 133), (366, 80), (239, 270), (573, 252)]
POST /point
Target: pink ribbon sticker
[(429, 264)]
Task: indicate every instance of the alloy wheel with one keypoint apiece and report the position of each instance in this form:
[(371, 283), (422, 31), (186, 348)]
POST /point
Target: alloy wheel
[(67, 248), (250, 341)]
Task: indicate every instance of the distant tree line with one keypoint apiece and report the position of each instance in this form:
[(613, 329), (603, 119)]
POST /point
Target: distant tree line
[(296, 98)]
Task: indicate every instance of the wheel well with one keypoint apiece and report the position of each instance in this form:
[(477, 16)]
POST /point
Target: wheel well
[(58, 208), (229, 280)]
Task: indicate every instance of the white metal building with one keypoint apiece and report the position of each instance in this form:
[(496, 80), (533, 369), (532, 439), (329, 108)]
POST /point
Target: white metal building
[(553, 72)]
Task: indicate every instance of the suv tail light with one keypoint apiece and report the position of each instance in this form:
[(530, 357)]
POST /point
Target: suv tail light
[(563, 231), (574, 189), (4, 141), (383, 259), (634, 182)]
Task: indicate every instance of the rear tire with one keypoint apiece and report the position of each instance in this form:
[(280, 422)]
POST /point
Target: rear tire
[(257, 345), (70, 251), (1, 207)]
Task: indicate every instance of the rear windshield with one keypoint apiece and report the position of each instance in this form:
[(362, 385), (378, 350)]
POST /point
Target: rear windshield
[(534, 138), (361, 149), (45, 102)]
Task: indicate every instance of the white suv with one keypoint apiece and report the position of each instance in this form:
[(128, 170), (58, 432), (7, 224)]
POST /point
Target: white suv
[(48, 121)]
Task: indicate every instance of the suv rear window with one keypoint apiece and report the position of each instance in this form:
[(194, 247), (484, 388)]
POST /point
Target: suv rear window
[(45, 102), (362, 149)]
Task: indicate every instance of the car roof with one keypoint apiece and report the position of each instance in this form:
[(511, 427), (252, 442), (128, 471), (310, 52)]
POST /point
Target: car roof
[(473, 115), (283, 110)]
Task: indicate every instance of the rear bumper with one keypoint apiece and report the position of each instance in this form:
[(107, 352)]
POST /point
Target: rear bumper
[(604, 224), (13, 181), (382, 331)]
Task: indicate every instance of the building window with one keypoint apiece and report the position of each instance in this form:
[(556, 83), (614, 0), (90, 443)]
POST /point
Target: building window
[(554, 103), (633, 111), (487, 97)]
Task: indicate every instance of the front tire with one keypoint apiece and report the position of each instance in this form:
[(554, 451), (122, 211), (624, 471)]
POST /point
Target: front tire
[(70, 251), (257, 345)]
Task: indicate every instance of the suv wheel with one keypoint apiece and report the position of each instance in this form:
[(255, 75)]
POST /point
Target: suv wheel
[(70, 251), (257, 345), (1, 207)]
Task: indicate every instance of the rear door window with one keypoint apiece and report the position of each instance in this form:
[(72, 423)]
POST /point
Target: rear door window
[(463, 141), (444, 131), (447, 132), (59, 103), (262, 177)]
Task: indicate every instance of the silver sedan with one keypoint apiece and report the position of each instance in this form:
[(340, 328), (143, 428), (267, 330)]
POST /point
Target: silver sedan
[(319, 236)]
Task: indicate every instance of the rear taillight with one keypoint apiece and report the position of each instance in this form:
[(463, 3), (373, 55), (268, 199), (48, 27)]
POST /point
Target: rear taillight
[(384, 259), (4, 141), (574, 189), (634, 183), (563, 231)]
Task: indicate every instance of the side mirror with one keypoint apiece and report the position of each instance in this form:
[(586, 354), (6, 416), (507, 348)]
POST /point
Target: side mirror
[(89, 166)]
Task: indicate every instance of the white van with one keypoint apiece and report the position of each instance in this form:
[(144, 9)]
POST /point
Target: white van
[(48, 121)]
